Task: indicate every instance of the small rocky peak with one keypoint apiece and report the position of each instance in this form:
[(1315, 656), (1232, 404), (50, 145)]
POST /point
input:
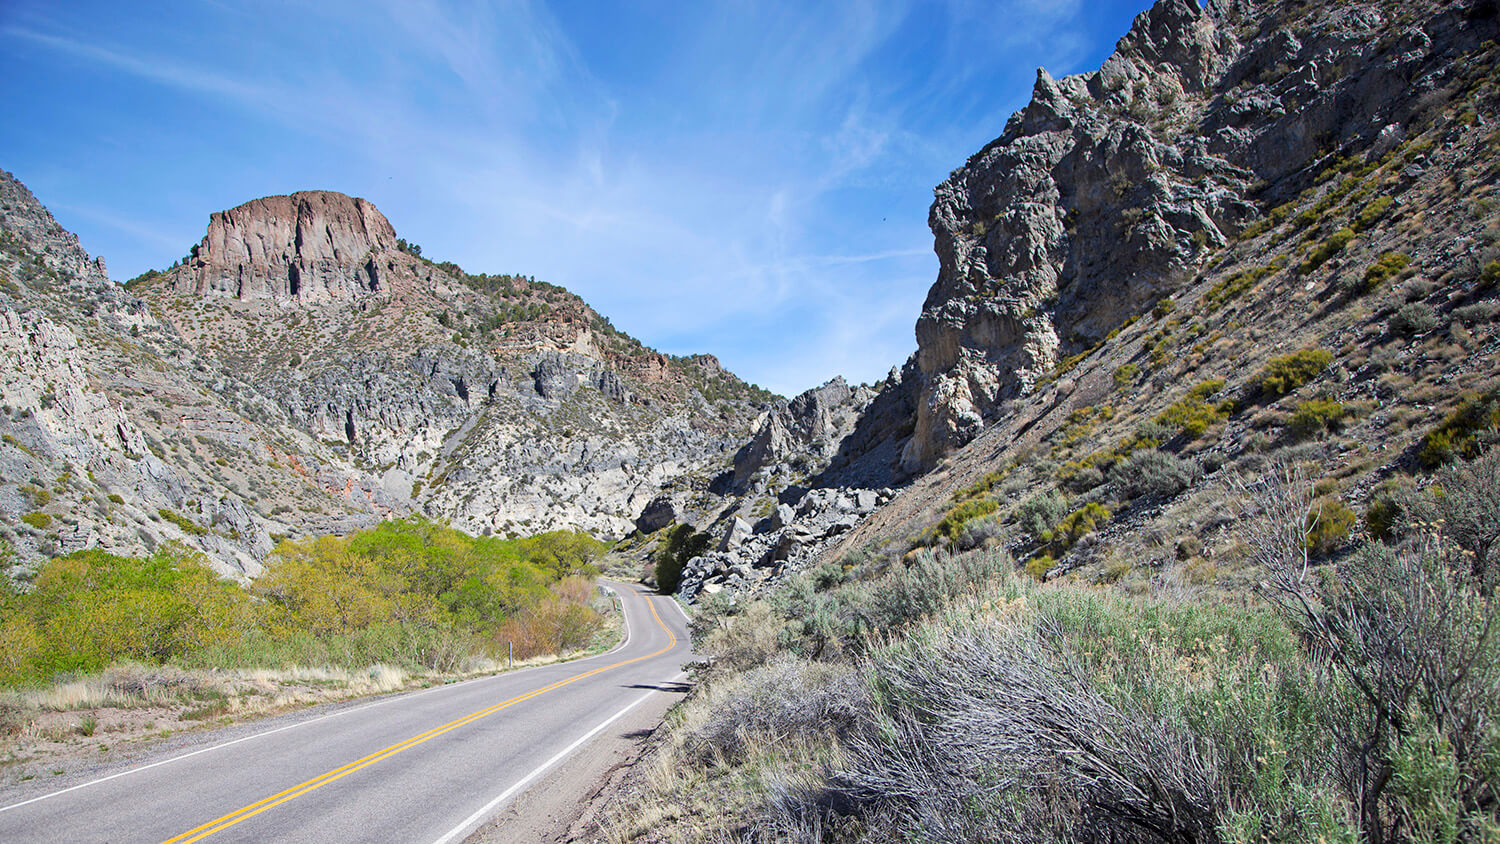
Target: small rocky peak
[(309, 247), (54, 251)]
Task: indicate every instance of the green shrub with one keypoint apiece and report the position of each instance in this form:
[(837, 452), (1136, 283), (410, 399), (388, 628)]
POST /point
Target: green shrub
[(1331, 246), (1317, 416), (1076, 525), (1237, 285), (1038, 566), (1329, 524), (1413, 318), (91, 608), (1384, 513), (1193, 413), (1163, 307), (187, 525), (1125, 375), (1461, 434), (963, 513), (1490, 275), (1384, 269), (1153, 473), (116, 498), (40, 521), (1372, 212), (1282, 375), (683, 544), (1039, 514), (979, 487)]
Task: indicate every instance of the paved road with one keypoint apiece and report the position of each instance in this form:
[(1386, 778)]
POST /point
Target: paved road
[(424, 766)]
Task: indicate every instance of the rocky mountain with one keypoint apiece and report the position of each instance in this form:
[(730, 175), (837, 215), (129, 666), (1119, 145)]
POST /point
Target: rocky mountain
[(1114, 189), (303, 370), (115, 433), (1261, 232)]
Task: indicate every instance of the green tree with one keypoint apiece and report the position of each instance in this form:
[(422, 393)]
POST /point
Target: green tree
[(683, 544)]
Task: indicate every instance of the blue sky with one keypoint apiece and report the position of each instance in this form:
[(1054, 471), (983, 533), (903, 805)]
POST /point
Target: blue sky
[(749, 179)]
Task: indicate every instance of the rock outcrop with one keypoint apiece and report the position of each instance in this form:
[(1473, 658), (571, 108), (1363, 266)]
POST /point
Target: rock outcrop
[(1109, 189), (797, 439), (311, 247)]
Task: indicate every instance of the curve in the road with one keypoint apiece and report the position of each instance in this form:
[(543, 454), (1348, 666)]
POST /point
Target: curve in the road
[(428, 787), (200, 832)]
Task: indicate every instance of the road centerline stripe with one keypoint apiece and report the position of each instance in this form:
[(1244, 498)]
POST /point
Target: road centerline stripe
[(219, 824)]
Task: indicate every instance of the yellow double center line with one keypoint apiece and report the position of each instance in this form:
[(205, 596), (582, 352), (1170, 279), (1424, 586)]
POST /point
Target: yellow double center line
[(220, 824)]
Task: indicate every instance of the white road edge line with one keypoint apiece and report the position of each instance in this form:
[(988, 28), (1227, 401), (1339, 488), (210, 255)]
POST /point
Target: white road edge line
[(484, 811), (389, 699)]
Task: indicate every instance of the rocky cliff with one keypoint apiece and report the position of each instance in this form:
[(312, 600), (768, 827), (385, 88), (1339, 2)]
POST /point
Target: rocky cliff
[(310, 247), (1112, 189), (1261, 233), (117, 434)]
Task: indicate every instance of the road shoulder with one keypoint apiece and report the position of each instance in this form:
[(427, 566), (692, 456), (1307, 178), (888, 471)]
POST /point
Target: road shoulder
[(563, 806)]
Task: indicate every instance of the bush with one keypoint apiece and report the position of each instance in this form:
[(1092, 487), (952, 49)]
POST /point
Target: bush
[(91, 608), (1413, 318), (1490, 275), (1084, 478), (182, 522), (1412, 668), (1384, 269), (1284, 374), (961, 514), (1464, 432), (1478, 313), (1154, 474), (977, 533), (785, 700), (1465, 501), (1076, 525), (40, 521), (1371, 213), (1125, 375), (1329, 523), (1193, 413), (1076, 722), (1317, 416), (1039, 514), (1040, 565), (1331, 246), (683, 544)]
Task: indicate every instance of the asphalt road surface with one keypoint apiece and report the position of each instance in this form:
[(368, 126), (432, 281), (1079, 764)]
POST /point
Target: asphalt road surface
[(427, 766)]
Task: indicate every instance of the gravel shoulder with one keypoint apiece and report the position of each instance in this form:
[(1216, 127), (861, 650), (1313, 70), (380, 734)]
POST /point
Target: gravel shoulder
[(566, 804)]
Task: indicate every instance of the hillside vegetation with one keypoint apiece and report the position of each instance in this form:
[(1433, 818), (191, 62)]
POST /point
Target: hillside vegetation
[(408, 593), (949, 698)]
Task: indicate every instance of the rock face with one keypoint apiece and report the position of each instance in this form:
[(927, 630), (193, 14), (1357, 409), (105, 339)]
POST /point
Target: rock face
[(311, 247), (95, 391), (799, 437), (747, 556), (1105, 193)]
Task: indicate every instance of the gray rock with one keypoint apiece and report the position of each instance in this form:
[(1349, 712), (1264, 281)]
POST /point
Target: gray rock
[(735, 534)]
